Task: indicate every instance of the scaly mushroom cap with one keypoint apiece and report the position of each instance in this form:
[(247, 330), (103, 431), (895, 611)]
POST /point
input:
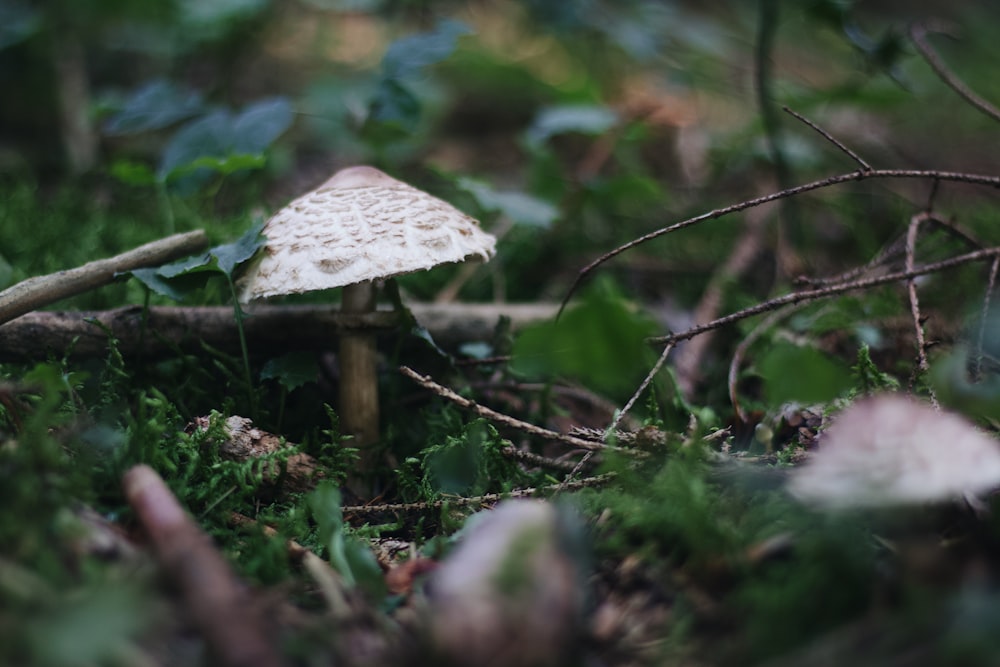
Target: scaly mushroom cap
[(891, 450), (362, 224)]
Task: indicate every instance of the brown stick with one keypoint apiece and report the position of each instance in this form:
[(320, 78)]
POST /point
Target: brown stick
[(500, 418), (216, 600), (42, 290), (273, 329)]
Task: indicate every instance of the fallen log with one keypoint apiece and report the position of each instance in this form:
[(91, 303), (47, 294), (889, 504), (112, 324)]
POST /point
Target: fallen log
[(158, 331)]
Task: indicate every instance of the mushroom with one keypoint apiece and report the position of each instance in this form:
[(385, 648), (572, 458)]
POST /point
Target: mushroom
[(357, 228), (513, 590), (892, 450)]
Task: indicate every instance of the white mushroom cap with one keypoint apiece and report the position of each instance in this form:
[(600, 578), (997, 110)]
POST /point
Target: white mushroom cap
[(892, 450), (362, 224)]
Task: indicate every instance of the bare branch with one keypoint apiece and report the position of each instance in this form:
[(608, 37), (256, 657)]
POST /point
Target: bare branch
[(499, 417), (957, 177), (829, 137), (832, 290), (911, 291), (642, 387), (918, 35), (487, 499)]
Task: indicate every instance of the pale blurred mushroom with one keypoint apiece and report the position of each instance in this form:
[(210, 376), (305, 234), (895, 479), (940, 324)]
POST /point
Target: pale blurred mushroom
[(513, 591), (892, 450), (359, 227)]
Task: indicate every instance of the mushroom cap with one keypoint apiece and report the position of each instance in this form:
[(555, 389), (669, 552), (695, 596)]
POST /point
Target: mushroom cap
[(361, 224), (892, 450)]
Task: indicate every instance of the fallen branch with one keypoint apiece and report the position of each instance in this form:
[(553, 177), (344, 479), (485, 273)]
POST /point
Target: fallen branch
[(216, 601), (160, 331), (40, 291), (500, 418), (487, 499)]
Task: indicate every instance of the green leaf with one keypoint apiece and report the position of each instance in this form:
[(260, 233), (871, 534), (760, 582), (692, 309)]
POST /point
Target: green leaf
[(230, 255), (156, 105), (18, 21), (393, 110), (291, 370), (349, 556), (520, 207), (222, 134), (408, 55), (799, 374), (601, 342), (586, 119), (152, 279)]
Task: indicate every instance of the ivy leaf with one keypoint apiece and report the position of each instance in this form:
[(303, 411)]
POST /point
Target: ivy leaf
[(586, 119), (154, 106), (230, 255), (408, 55), (520, 207), (18, 21), (222, 134), (153, 280), (600, 342), (799, 374), (291, 370)]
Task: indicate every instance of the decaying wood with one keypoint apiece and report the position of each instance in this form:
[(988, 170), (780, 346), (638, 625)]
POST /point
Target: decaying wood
[(217, 602), (40, 291), (269, 329)]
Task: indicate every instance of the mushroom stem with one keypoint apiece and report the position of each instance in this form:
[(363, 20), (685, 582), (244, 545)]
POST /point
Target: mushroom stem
[(358, 378)]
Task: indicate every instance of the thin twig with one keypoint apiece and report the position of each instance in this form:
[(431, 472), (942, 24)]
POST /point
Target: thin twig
[(911, 292), (918, 35), (957, 177), (829, 137), (530, 458), (642, 387), (572, 473), (500, 418), (744, 345), (486, 499), (823, 292), (977, 371)]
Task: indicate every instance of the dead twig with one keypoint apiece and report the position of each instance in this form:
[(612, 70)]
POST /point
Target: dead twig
[(500, 418), (833, 140), (40, 291), (911, 291), (860, 175), (642, 387), (918, 35), (486, 499), (216, 600), (690, 359), (977, 371), (741, 349), (832, 290)]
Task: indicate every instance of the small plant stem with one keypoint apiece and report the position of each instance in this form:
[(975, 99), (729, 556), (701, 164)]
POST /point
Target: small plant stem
[(247, 376)]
